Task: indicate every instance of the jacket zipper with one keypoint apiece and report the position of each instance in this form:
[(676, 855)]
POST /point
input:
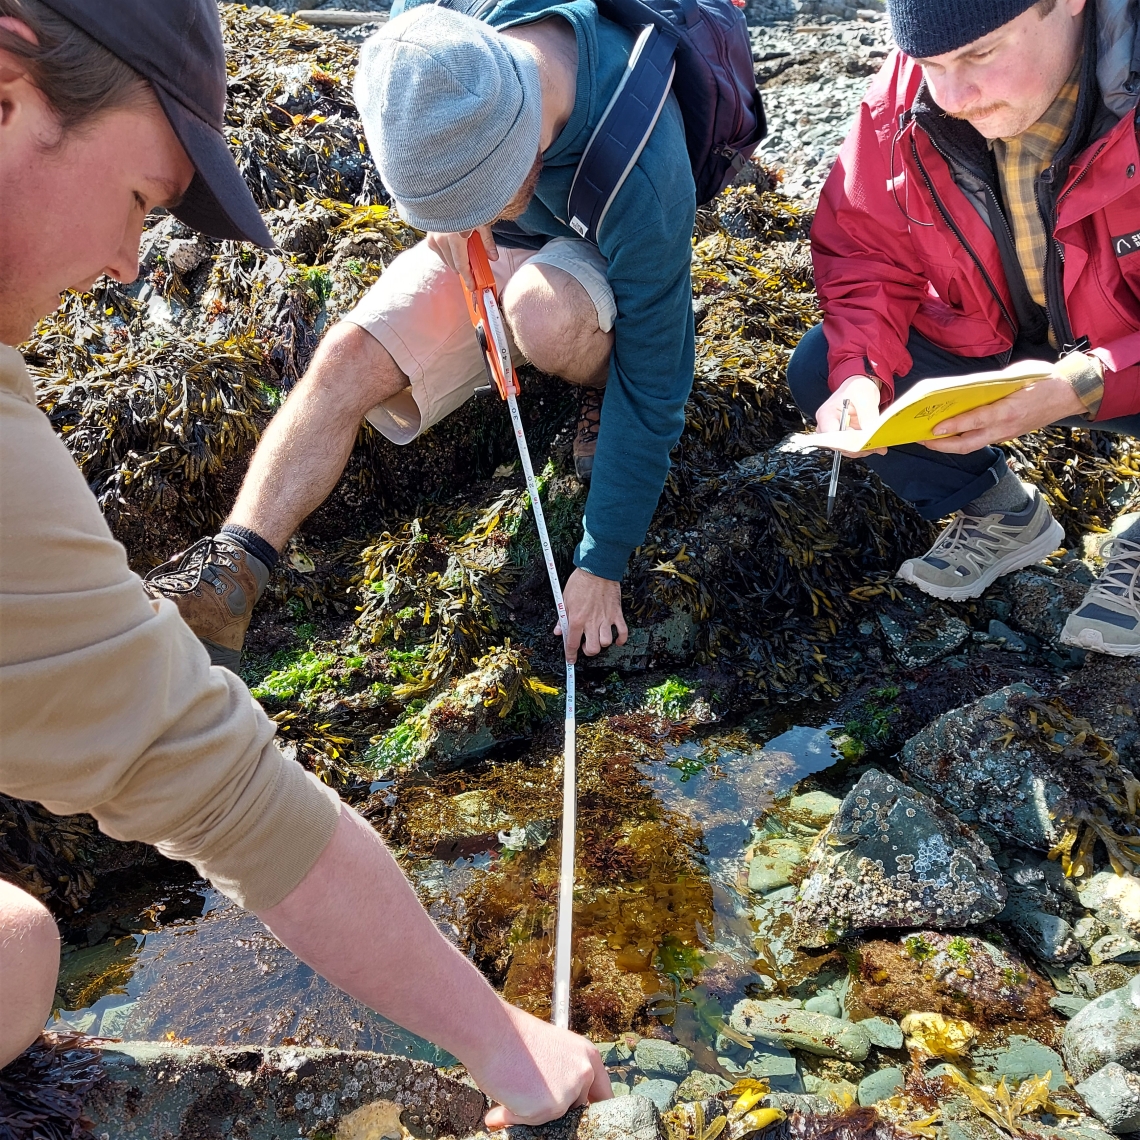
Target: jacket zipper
[(952, 226), (1054, 257)]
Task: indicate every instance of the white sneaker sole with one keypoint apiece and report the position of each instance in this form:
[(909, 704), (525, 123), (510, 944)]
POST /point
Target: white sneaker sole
[(1044, 544), (1093, 640)]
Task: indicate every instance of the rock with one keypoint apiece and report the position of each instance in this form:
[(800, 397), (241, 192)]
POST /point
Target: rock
[(1094, 981), (671, 639), (883, 1031), (625, 1046), (660, 1091), (814, 807), (881, 1085), (608, 1050), (894, 857), (798, 1029), (837, 1090), (1106, 1030), (1115, 948), (824, 1003), (1051, 938), (653, 1056), (1041, 906), (1113, 1093), (114, 1019), (625, 1118), (922, 642), (619, 1089), (1001, 633), (772, 864), (1106, 692), (1042, 602), (996, 762), (1068, 1005), (699, 1085), (1021, 1058), (938, 1036), (1089, 930), (1115, 899), (772, 1062)]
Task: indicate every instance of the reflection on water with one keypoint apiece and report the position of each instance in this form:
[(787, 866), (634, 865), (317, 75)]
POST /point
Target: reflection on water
[(219, 978), (665, 927)]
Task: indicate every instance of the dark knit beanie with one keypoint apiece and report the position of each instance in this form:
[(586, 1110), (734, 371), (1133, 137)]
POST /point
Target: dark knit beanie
[(926, 28)]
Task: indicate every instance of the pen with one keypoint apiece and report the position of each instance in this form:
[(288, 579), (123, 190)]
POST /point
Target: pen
[(831, 490)]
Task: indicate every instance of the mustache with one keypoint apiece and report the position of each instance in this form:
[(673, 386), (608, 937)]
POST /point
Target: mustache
[(978, 112)]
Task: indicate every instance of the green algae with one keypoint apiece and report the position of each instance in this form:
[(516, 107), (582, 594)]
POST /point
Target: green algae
[(671, 698)]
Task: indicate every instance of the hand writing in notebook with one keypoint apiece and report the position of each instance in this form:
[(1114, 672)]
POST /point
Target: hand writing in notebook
[(1035, 407)]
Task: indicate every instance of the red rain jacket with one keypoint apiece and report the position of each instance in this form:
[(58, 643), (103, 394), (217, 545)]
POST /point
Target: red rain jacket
[(901, 240)]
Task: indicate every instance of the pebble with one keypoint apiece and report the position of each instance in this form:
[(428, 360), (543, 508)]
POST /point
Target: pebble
[(623, 1118), (824, 1003), (608, 1050), (800, 1029), (699, 1085), (1115, 948), (652, 1057), (1106, 1030), (1022, 1058), (1115, 899), (661, 1092), (881, 1085), (1068, 1005), (772, 864), (883, 1031), (1113, 1093), (1090, 929), (816, 807), (619, 1089)]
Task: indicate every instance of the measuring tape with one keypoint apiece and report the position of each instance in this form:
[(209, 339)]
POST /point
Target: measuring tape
[(491, 330)]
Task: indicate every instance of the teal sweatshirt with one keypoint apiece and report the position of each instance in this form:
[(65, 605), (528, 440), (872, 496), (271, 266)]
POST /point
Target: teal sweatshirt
[(646, 240)]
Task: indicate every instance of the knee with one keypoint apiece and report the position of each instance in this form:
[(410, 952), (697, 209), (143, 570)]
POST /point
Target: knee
[(29, 967), (808, 372), (353, 368), (552, 325)]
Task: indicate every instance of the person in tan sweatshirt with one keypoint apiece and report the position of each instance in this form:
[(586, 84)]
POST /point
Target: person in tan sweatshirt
[(108, 703)]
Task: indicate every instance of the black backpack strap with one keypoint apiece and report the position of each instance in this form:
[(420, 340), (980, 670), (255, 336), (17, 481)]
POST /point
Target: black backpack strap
[(622, 132)]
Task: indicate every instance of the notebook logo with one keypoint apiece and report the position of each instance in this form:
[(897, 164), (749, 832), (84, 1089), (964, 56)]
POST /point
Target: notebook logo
[(1126, 244)]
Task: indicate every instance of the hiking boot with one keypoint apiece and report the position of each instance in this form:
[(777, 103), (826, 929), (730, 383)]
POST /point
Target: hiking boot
[(586, 437), (215, 584), (1108, 620), (976, 550)]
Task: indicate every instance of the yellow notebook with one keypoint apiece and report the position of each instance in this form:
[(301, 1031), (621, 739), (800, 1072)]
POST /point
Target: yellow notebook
[(913, 417)]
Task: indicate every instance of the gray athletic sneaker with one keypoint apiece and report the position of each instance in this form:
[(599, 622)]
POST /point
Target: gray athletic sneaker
[(1108, 620), (975, 550)]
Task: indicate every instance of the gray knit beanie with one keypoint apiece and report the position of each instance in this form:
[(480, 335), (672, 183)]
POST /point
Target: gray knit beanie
[(926, 28), (452, 111)]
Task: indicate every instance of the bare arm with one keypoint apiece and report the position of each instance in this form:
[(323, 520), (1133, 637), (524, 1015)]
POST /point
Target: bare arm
[(355, 919)]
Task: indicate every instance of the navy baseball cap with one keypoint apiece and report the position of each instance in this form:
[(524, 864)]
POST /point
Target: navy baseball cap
[(177, 46)]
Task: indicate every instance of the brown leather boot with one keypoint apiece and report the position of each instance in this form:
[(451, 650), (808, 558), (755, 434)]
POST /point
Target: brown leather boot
[(215, 584), (586, 437)]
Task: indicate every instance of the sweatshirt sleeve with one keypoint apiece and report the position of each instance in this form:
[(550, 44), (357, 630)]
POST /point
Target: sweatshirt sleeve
[(648, 246), (109, 704)]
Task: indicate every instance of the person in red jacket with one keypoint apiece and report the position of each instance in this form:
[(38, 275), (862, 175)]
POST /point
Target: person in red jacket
[(984, 209)]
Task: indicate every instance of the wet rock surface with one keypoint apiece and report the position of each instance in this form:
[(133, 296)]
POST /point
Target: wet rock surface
[(1107, 1030), (893, 857)]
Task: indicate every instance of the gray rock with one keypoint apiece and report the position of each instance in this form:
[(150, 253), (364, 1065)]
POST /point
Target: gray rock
[(653, 1056), (1001, 633), (1068, 1005), (1106, 1030), (1041, 906), (660, 1091), (1115, 899), (1021, 1058), (1051, 938), (881, 1085), (608, 1050), (1090, 929), (1094, 981), (112, 1022), (883, 1031), (1115, 948), (1043, 602), (814, 807), (1113, 1093), (894, 857), (824, 1003), (699, 1085), (798, 1029), (924, 642), (619, 1089), (623, 1118), (1010, 781), (772, 864)]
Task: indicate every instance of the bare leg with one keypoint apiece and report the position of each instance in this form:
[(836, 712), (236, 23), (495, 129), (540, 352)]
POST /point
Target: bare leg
[(29, 966), (555, 325), (304, 449)]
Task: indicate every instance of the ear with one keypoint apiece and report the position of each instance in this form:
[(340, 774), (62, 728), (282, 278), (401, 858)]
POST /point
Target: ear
[(19, 28)]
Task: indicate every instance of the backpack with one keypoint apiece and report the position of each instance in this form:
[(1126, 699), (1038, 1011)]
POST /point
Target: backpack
[(700, 49)]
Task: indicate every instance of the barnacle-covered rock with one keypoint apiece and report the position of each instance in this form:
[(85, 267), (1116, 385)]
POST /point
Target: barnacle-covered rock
[(894, 857), (1032, 772), (816, 1033)]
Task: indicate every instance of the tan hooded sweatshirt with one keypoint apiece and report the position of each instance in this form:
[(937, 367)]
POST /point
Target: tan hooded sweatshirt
[(108, 703)]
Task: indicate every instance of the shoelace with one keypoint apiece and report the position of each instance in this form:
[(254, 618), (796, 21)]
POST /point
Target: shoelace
[(1120, 579), (965, 532), (590, 417), (183, 573)]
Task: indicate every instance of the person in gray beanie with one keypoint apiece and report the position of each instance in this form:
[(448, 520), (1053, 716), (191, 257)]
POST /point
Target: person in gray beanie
[(984, 209), (479, 124)]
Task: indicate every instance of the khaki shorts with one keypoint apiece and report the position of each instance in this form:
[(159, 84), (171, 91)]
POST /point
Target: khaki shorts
[(417, 312)]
